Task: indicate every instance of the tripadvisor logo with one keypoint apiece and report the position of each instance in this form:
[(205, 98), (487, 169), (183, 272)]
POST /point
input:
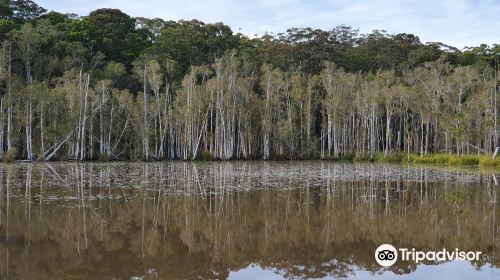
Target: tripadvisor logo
[(387, 255)]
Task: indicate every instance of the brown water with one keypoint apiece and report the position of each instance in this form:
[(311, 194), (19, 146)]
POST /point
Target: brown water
[(242, 220)]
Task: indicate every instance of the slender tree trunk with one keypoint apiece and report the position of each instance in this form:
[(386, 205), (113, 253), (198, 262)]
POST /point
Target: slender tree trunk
[(82, 147), (2, 123), (108, 144), (80, 116), (101, 121), (267, 120), (388, 131), (145, 139), (42, 120), (9, 106)]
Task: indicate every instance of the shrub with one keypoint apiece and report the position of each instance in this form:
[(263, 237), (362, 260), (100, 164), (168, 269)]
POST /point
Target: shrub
[(204, 155), (348, 156), (10, 155), (312, 154), (393, 158), (102, 157), (362, 157)]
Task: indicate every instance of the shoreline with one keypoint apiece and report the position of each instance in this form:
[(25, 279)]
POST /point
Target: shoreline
[(443, 160)]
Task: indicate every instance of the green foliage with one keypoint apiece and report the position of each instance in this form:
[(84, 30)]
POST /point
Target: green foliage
[(113, 33), (10, 155), (102, 157), (205, 155), (5, 9), (443, 159), (110, 86), (488, 162), (22, 10), (390, 158), (433, 159), (362, 157), (6, 25), (194, 43), (463, 160), (440, 159), (349, 156)]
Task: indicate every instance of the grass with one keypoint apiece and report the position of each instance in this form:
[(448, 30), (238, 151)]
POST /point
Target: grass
[(464, 160), (488, 162), (429, 159)]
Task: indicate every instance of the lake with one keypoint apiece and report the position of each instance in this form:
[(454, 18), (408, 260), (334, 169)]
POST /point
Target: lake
[(243, 220)]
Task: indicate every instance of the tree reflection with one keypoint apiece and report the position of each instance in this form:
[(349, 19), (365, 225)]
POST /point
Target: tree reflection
[(186, 220)]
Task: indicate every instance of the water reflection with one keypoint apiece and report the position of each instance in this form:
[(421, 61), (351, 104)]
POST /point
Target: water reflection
[(212, 220)]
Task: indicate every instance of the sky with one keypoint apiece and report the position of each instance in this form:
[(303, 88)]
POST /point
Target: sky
[(458, 23)]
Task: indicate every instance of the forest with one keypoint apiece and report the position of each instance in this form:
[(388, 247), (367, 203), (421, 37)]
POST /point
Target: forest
[(108, 86)]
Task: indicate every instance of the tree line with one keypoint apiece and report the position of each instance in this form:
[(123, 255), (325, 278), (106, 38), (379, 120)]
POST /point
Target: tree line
[(112, 87)]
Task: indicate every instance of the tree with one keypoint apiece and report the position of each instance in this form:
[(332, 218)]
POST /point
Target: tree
[(113, 33), (194, 43), (108, 86), (21, 11)]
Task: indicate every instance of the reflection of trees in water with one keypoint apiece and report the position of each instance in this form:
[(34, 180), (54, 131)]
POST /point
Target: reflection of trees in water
[(185, 220)]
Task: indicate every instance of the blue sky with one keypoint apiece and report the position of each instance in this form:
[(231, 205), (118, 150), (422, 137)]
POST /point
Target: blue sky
[(455, 22)]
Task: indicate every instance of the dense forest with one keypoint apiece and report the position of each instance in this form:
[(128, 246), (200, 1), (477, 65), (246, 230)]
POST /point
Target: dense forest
[(112, 87)]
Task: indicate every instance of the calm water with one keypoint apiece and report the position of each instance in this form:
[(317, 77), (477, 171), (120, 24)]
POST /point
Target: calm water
[(242, 220)]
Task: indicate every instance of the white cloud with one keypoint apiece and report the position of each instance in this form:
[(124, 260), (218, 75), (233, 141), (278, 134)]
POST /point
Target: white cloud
[(455, 22)]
